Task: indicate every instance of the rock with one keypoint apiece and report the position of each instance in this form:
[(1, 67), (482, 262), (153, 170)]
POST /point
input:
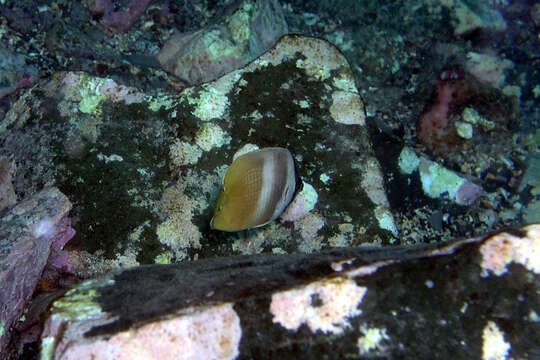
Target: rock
[(144, 170), (469, 16), (408, 161), (438, 180), (14, 73), (530, 184), (535, 14), (460, 99), (118, 21), (27, 234), (7, 194), (488, 68), (303, 76), (370, 302), (304, 201), (245, 33)]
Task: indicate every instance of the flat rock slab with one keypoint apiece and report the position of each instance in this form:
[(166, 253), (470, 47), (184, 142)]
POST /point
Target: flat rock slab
[(474, 299), (144, 170), (27, 233)]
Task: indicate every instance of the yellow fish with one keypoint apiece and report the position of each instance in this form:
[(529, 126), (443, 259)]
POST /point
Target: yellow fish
[(257, 188)]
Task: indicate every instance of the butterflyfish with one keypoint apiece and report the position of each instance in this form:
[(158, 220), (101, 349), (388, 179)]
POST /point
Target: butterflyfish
[(257, 187)]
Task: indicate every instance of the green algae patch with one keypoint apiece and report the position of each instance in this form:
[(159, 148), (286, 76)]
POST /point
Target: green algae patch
[(90, 96), (78, 303)]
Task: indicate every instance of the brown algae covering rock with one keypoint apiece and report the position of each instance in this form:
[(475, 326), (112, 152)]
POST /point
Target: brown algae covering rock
[(27, 232), (242, 35), (473, 298)]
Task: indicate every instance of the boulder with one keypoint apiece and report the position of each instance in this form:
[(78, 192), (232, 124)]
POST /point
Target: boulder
[(145, 170), (467, 298), (28, 233)]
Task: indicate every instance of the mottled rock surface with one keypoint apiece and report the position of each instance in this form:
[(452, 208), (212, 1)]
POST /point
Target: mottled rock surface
[(143, 163), (144, 170), (7, 194), (469, 16), (473, 299), (244, 33), (14, 73), (118, 21), (27, 234)]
